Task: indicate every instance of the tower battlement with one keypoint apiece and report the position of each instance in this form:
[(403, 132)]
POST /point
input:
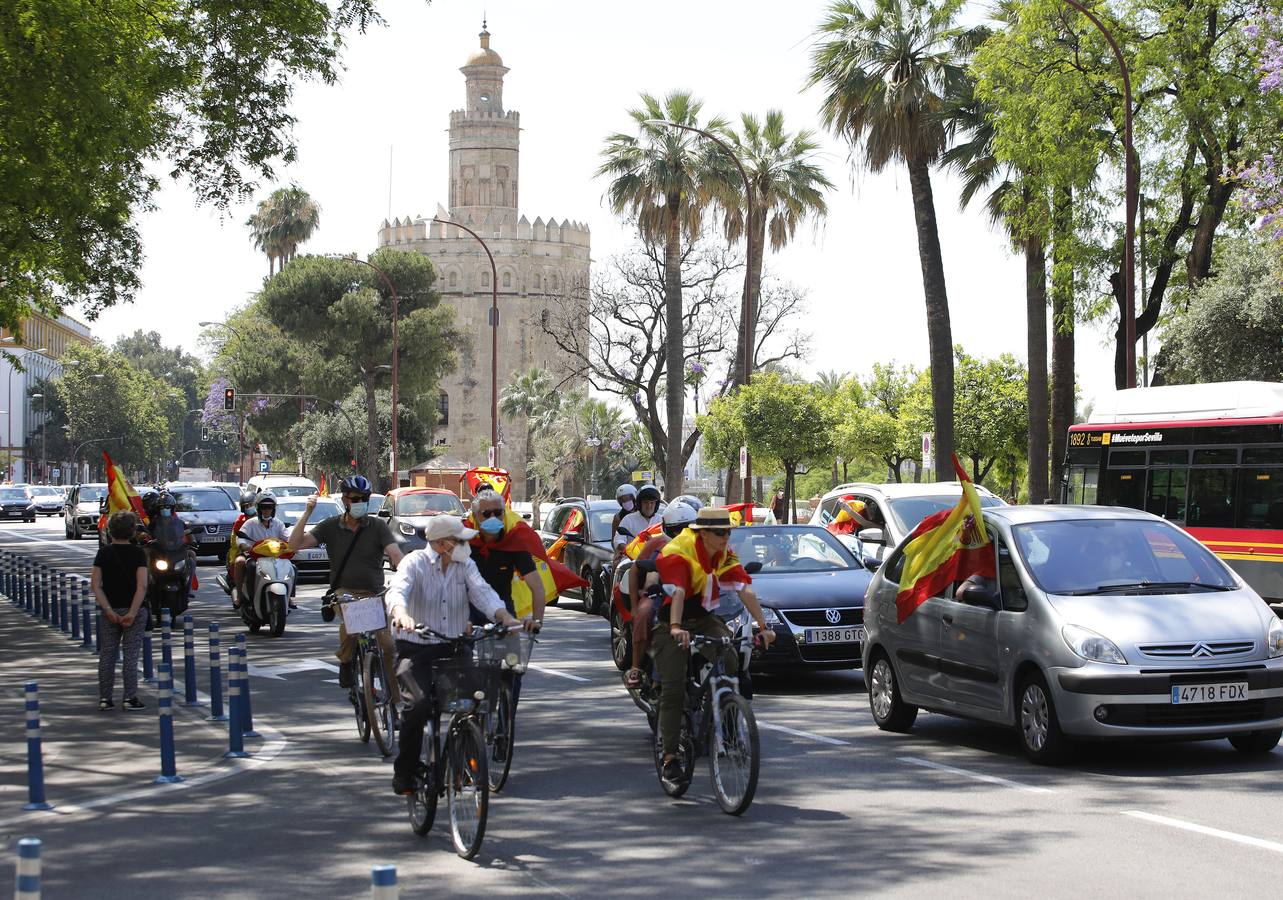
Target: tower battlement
[(469, 116), (410, 230)]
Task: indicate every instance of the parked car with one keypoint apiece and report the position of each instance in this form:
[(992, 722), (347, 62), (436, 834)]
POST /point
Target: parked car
[(49, 499), (317, 560), (1104, 623), (894, 509), (588, 552), (408, 509), (210, 512), (80, 516), (230, 488), (283, 485), (16, 503)]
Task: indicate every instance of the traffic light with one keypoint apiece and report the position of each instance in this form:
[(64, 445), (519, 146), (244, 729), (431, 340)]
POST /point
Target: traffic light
[(353, 463), (229, 399), (204, 435)]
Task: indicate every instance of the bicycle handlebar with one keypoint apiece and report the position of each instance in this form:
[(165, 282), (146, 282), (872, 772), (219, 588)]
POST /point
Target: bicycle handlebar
[(484, 631)]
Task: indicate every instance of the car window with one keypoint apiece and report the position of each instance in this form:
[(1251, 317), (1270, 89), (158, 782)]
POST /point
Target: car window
[(9, 495), (209, 500), (829, 510), (289, 490), (428, 505), (290, 511), (791, 549), (909, 511), (557, 519), (599, 522), (91, 494), (1014, 598)]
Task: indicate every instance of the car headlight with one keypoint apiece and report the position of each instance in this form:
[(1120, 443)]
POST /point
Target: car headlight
[(406, 529), (1274, 639), (162, 565), (771, 617), (1092, 646)]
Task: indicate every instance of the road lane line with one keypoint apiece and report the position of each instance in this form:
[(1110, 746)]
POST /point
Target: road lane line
[(803, 734), (558, 674), (1237, 838), (975, 776)]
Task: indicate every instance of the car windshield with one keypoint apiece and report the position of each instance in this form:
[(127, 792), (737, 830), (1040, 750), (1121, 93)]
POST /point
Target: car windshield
[(290, 510), (784, 549), (206, 500), (909, 511), (10, 495), (290, 490), (92, 494), (46, 489), (599, 522), (1118, 556), (428, 505)]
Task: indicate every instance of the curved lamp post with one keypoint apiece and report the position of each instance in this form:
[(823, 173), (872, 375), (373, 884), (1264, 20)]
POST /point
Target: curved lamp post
[(240, 430), (75, 455)]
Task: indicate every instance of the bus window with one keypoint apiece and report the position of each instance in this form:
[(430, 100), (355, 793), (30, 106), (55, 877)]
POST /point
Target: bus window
[(1125, 487), (1126, 458), (1169, 457), (1260, 498), (1263, 456), (1166, 496), (1089, 487), (1211, 498), (1220, 456), (1076, 477)]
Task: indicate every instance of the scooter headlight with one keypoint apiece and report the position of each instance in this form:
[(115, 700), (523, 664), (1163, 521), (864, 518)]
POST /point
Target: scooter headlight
[(162, 565)]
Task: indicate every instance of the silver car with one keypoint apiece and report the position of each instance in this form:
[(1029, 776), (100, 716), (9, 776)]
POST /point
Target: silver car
[(1103, 623)]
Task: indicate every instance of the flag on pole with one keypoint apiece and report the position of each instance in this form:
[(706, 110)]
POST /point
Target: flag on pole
[(741, 514), (946, 547), (324, 489), (573, 524), (120, 493)]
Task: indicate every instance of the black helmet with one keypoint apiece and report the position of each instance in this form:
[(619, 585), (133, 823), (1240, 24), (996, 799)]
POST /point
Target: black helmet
[(647, 492), (151, 502), (356, 484), (166, 499), (691, 500), (248, 500)]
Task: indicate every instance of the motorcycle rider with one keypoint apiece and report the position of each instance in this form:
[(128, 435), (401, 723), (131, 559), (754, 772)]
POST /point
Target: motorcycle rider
[(626, 497), (646, 515), (692, 569), (246, 503), (677, 518), (264, 525), (356, 561)]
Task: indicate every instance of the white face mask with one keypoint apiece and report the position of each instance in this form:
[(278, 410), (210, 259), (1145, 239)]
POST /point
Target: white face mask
[(358, 510), (626, 503), (461, 553)]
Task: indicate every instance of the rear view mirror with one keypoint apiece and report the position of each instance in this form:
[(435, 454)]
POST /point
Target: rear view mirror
[(753, 568), (872, 536), (973, 594), (384, 513)]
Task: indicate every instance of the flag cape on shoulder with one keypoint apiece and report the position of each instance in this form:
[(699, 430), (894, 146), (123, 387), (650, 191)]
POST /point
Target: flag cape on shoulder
[(120, 493), (946, 547), (517, 537), (484, 477), (634, 547), (684, 563), (850, 518), (741, 514), (574, 522)]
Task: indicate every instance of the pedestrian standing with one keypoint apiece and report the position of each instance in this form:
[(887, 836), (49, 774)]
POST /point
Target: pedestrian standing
[(119, 582), (778, 508)]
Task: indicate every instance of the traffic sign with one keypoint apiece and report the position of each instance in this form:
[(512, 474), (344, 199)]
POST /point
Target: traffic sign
[(56, 473), (644, 475), (264, 466)]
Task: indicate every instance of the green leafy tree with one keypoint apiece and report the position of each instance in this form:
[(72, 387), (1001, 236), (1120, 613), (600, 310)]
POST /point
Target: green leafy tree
[(177, 369), (664, 178), (96, 97), (287, 218), (886, 74), (324, 435)]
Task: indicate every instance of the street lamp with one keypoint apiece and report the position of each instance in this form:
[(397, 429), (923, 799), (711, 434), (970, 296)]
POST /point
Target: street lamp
[(44, 442), (494, 338), (747, 310), (593, 442), (75, 456), (8, 392)]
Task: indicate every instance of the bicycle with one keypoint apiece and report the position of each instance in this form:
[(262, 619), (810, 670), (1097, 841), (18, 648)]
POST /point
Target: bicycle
[(512, 653), (370, 693), (717, 722), (453, 763)]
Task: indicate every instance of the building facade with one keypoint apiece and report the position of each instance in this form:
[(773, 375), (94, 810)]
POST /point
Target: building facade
[(540, 267)]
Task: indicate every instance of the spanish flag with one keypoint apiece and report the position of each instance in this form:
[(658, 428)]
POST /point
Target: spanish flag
[(946, 547), (482, 477), (685, 564), (518, 536), (850, 517), (741, 514), (324, 489), (574, 523), (120, 493), (634, 547)]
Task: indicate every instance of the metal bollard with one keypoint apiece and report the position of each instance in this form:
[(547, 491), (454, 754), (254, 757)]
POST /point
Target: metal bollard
[(42, 575), (6, 582), (64, 600), (216, 713), (247, 706), (24, 586), (35, 760), (97, 630), (73, 591), (149, 665), (87, 617), (383, 884), (235, 740), (26, 883), (51, 577), (165, 704), (189, 662), (166, 645)]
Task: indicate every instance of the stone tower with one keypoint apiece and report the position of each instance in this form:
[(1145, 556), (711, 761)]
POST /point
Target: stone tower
[(541, 266)]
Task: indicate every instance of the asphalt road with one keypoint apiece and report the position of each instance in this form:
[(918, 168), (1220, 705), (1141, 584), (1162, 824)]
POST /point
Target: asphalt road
[(841, 809)]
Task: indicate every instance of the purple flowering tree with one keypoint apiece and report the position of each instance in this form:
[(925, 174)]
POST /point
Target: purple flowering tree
[(1262, 181)]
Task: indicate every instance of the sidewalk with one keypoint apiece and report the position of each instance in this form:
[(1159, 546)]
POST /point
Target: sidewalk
[(91, 756)]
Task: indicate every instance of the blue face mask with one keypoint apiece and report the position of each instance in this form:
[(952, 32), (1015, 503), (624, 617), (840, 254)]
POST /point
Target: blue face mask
[(166, 511), (492, 525)]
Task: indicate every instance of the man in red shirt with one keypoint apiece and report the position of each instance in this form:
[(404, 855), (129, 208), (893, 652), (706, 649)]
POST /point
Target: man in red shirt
[(677, 517)]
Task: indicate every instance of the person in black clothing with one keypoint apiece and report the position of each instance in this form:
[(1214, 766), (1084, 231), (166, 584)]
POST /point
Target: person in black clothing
[(119, 582)]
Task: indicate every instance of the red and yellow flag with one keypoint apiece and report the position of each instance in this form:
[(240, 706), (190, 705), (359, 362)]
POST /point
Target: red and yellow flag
[(323, 489), (120, 493), (574, 523), (946, 547), (518, 536), (741, 514), (483, 477), (634, 547)]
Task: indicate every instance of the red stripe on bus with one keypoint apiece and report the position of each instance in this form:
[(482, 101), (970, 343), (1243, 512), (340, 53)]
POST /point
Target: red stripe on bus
[(1195, 423)]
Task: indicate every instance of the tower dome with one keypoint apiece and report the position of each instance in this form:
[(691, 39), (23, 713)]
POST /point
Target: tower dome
[(485, 56)]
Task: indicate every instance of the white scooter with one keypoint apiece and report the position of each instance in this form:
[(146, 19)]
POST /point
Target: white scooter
[(270, 584)]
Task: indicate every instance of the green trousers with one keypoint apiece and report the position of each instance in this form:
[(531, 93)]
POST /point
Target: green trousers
[(671, 662)]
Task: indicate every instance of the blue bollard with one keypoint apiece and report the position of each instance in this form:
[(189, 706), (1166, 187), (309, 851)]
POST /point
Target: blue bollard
[(87, 617), (64, 601), (216, 713), (149, 666), (35, 760), (51, 576), (24, 586), (97, 630), (166, 639), (26, 884), (6, 583), (42, 575), (383, 884), (247, 706), (235, 740), (189, 662), (165, 705), (73, 592)]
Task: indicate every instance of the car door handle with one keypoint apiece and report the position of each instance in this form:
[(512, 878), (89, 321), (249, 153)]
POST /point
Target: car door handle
[(947, 619)]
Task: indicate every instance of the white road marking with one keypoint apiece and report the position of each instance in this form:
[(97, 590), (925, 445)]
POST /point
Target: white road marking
[(975, 776), (70, 545), (1237, 838), (289, 668), (558, 674), (804, 734)]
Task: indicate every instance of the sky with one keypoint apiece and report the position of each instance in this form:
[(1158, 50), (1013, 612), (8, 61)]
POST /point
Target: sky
[(576, 68)]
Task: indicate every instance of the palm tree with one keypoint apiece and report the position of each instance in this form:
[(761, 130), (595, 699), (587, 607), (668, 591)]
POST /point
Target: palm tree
[(665, 178), (287, 218), (531, 396), (885, 75)]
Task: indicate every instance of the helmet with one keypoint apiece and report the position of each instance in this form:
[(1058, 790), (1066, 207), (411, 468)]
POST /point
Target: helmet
[(151, 502), (626, 490), (647, 492), (677, 517), (166, 499), (248, 501), (690, 500), (356, 484), (265, 499)]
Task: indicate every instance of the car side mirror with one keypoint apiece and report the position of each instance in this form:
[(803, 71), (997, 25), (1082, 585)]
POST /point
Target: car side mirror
[(871, 562), (974, 594), (753, 568), (384, 513), (872, 536)]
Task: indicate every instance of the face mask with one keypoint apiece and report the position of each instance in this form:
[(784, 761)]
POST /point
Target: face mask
[(266, 515), (461, 553), (492, 525), (626, 504), (358, 510), (166, 511)]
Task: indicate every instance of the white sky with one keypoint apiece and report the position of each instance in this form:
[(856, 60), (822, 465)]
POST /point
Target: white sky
[(577, 66)]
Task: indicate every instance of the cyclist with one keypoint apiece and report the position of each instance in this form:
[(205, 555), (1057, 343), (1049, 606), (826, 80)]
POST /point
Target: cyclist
[(677, 518), (637, 521), (264, 525), (626, 497), (693, 568), (434, 586), (356, 561)]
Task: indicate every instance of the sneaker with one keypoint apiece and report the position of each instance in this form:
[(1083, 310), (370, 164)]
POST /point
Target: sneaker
[(132, 703), (105, 704), (345, 674), (402, 784), (673, 771)]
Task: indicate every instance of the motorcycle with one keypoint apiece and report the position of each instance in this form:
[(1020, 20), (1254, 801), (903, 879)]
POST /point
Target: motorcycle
[(169, 570), (270, 578)]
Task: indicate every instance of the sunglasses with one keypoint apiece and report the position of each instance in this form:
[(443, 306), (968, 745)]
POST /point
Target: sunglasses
[(490, 513), (718, 532)]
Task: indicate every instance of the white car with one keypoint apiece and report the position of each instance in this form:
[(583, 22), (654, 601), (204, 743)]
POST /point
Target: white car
[(894, 510), (283, 485)]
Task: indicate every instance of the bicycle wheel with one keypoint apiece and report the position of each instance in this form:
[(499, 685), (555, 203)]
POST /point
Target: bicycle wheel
[(422, 804), (466, 786), (500, 734), (356, 693), (378, 702), (733, 766), (685, 756)]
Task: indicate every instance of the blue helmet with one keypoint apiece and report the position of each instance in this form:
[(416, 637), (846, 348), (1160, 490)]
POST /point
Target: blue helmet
[(356, 484)]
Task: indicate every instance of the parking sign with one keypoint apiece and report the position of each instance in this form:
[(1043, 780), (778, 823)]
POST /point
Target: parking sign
[(264, 466)]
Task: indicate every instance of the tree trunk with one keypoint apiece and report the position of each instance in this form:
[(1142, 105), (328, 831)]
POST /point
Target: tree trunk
[(1036, 316), (674, 388), (758, 250), (1062, 337), (734, 482), (788, 493), (939, 333), (372, 432)]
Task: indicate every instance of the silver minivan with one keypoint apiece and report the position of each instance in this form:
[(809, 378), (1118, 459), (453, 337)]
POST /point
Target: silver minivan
[(1103, 623)]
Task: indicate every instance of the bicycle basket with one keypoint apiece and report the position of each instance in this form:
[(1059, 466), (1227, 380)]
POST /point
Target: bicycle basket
[(510, 651), (364, 615), (457, 682)]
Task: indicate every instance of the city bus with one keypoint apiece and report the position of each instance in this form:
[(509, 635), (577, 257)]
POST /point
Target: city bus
[(1207, 457)]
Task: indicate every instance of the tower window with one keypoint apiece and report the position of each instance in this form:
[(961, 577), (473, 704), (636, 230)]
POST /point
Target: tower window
[(507, 279), (443, 409), (485, 279), (544, 318), (454, 279), (485, 98)]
